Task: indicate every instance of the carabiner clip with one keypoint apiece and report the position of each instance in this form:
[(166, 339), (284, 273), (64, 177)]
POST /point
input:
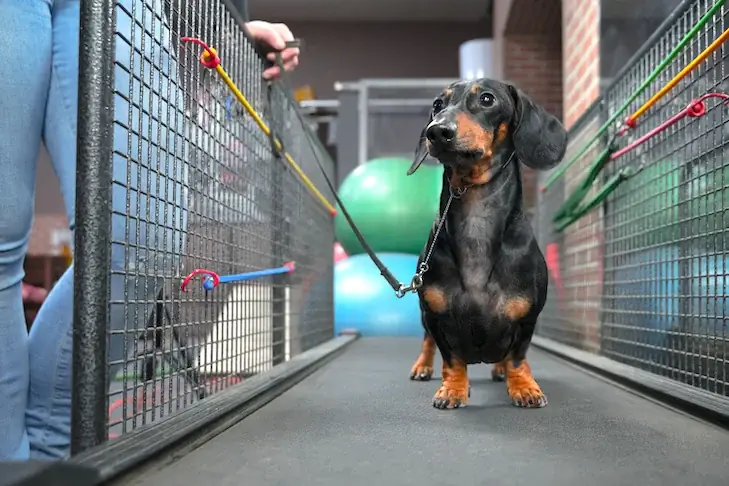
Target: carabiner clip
[(415, 284)]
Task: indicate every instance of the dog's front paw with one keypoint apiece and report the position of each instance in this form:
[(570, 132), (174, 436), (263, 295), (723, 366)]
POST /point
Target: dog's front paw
[(421, 371), (522, 387), (455, 388), (527, 396), (448, 396), (498, 372)]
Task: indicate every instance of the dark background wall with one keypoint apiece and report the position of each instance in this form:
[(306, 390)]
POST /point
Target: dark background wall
[(624, 27), (347, 51)]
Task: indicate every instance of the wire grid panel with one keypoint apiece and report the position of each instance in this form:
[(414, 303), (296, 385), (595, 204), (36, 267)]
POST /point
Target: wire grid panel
[(574, 256), (395, 118), (643, 279), (196, 184), (665, 302)]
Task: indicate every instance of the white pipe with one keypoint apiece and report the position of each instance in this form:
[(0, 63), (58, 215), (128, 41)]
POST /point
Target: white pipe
[(319, 104), (411, 83), (476, 59)]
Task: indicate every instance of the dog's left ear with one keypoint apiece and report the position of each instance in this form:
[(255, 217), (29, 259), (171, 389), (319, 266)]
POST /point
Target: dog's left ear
[(540, 139), (421, 150)]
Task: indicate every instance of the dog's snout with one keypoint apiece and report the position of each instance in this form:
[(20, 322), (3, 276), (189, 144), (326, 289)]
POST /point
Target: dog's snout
[(441, 134)]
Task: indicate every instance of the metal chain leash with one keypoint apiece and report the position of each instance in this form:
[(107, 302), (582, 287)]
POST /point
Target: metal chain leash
[(417, 281)]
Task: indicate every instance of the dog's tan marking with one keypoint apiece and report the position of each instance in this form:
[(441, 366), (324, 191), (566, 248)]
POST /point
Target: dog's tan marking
[(422, 370), (453, 391), (522, 387), (480, 172), (473, 136), (498, 371), (475, 88), (447, 93), (501, 133), (517, 308), (436, 299)]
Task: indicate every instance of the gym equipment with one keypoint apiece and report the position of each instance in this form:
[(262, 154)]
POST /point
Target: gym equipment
[(363, 300), (394, 211)]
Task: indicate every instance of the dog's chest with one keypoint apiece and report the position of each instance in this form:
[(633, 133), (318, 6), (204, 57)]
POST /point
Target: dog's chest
[(475, 248)]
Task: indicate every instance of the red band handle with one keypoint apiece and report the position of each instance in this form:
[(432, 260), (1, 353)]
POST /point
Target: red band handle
[(200, 271), (209, 58)]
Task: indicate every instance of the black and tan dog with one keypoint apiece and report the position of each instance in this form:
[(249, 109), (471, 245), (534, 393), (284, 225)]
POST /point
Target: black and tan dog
[(486, 280)]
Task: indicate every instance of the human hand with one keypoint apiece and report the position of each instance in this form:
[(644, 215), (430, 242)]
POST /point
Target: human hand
[(274, 37)]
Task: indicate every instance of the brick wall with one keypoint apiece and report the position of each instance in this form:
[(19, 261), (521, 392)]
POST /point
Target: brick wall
[(550, 49), (576, 318), (534, 64), (581, 54), (530, 57), (581, 245)]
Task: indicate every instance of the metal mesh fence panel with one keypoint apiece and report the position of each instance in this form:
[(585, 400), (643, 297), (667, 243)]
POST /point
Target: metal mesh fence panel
[(665, 251), (392, 114), (657, 248), (196, 184), (574, 256), (395, 118)]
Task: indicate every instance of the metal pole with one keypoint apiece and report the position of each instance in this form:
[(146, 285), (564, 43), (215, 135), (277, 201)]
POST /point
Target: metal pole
[(93, 224), (405, 83), (281, 236), (362, 116), (314, 104), (401, 103), (333, 105), (412, 83)]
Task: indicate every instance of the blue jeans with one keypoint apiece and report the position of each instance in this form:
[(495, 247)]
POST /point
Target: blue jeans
[(38, 103)]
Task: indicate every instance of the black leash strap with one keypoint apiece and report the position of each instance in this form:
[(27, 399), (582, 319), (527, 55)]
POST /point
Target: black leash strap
[(274, 134), (399, 288)]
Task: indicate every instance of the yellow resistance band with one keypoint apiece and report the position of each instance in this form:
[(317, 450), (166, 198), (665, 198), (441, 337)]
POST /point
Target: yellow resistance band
[(684, 72), (209, 58)]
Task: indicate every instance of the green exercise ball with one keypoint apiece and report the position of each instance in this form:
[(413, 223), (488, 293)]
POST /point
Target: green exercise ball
[(393, 211)]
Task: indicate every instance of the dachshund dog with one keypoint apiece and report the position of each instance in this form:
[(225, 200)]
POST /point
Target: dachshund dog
[(486, 279)]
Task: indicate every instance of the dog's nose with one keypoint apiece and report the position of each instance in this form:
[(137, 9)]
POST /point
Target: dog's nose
[(441, 134)]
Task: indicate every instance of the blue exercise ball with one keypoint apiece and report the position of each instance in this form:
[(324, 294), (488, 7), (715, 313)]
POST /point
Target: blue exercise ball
[(365, 302)]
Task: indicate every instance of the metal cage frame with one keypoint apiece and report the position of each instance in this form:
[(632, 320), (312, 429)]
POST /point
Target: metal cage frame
[(177, 175)]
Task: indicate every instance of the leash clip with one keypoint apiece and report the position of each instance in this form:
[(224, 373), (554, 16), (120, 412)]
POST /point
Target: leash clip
[(415, 283), (457, 192)]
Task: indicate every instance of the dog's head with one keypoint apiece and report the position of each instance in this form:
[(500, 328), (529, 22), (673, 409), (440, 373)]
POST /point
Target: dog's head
[(476, 124)]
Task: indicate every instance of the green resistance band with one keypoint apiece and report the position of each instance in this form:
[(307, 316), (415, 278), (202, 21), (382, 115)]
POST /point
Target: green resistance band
[(578, 212), (573, 202), (656, 72)]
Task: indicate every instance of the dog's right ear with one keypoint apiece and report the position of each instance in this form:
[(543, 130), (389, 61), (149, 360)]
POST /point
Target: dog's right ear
[(421, 150), (540, 139)]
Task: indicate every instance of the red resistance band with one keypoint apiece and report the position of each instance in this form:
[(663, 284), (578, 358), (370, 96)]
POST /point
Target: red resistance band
[(695, 109)]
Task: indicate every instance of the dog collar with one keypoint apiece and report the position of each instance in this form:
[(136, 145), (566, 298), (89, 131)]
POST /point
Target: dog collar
[(492, 172)]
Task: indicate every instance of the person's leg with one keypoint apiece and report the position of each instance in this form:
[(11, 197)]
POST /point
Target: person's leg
[(48, 416), (25, 60)]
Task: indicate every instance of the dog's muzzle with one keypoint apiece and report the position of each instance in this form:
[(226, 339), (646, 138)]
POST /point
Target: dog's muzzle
[(444, 145)]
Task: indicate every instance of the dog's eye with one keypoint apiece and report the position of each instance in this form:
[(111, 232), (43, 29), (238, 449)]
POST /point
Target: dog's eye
[(437, 105), (486, 99)]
